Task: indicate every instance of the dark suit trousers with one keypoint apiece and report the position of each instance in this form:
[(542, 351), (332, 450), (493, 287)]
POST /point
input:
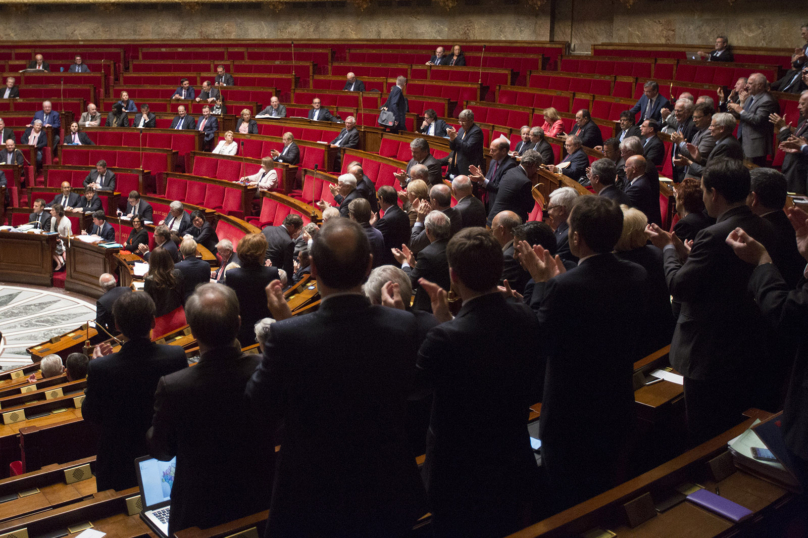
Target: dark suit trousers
[(759, 161), (714, 406)]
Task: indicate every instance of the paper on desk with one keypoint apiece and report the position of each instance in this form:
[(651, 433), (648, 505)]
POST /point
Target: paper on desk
[(139, 285), (669, 376), (87, 238), (563, 165), (141, 269), (91, 533)]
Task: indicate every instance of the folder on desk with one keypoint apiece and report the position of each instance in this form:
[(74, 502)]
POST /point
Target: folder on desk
[(773, 471)]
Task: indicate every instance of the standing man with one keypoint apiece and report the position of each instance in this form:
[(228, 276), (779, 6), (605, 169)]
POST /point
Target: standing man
[(281, 242), (795, 165), (703, 140), (398, 105), (394, 224), (466, 145), (209, 125), (586, 130), (105, 304), (515, 188), (755, 130), (651, 103)]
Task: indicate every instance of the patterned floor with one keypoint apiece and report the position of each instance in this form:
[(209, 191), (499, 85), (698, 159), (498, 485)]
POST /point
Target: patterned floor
[(29, 316)]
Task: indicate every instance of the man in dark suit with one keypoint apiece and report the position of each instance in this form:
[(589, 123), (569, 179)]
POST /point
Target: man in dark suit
[(433, 126), (77, 138), (536, 142), (602, 176), (78, 66), (557, 214), (208, 94), (67, 198), (627, 127), (137, 207), (318, 113), (194, 270), (347, 138), (40, 217), (104, 305), (640, 191), (274, 110), (601, 404), (162, 239), (755, 130), (795, 165), (209, 125), (182, 120), (359, 212), (524, 142), (368, 483), (440, 199), (290, 153), (685, 132), (792, 82), (421, 155), (224, 251), (394, 224), (39, 63), (471, 209), (717, 345), (353, 84), (202, 231), (586, 130), (222, 78), (90, 202), (101, 179), (502, 227), (364, 186), (145, 119), (466, 146), (652, 147), (184, 90), (346, 193), (101, 227), (120, 391), (303, 266), (439, 58), (189, 401), (430, 261), (721, 53), (651, 103), (515, 188), (726, 145), (10, 154), (398, 105), (577, 159), (281, 242), (11, 91), (500, 164), (480, 473), (177, 219), (703, 140), (6, 133)]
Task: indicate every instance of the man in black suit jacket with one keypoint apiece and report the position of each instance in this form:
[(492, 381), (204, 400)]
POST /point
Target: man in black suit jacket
[(90, 202), (480, 473), (717, 345), (182, 120), (136, 206), (194, 270), (537, 142), (318, 113), (177, 219), (502, 227), (557, 214), (368, 483), (101, 179), (39, 63), (189, 401), (627, 127), (500, 164), (6, 134), (67, 198), (281, 242), (209, 94), (40, 217), (515, 188), (202, 231), (795, 165), (433, 126), (652, 147), (353, 84), (421, 155), (348, 137), (586, 130), (640, 191), (600, 405), (222, 78), (104, 304), (77, 138), (209, 125), (466, 145), (721, 53), (101, 227), (120, 391), (394, 224), (162, 239), (577, 159), (439, 58), (290, 153), (364, 186), (792, 82), (145, 119), (430, 261), (344, 194), (10, 154), (726, 145), (398, 105), (602, 176), (471, 209), (440, 199), (11, 91)]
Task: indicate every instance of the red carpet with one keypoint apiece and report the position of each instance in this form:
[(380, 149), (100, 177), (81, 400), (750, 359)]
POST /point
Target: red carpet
[(59, 279)]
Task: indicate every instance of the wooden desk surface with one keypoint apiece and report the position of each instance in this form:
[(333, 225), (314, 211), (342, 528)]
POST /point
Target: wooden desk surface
[(14, 429), (48, 497)]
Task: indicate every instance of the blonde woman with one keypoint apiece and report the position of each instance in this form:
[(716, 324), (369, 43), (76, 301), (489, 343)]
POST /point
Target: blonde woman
[(266, 178), (553, 126), (246, 125), (417, 192), (228, 146)]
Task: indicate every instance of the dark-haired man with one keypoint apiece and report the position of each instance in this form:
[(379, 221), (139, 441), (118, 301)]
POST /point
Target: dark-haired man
[(137, 207), (586, 130), (602, 176), (652, 147), (365, 482), (651, 103), (120, 391), (394, 224), (430, 261), (101, 227), (281, 242)]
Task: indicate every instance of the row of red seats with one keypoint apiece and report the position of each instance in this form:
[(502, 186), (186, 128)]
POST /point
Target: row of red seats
[(254, 94), (274, 210), (125, 182), (781, 60), (223, 196)]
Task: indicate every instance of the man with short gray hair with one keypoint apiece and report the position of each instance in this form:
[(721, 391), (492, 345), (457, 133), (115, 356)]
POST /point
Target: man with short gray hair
[(224, 251), (430, 262), (440, 199), (472, 210), (347, 138), (538, 143), (397, 104), (346, 189), (558, 210), (194, 270), (516, 186), (104, 304), (51, 366), (177, 219), (726, 145), (755, 132), (420, 156), (577, 159), (466, 145)]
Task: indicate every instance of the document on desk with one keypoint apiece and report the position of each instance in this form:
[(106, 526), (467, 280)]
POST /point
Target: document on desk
[(141, 269), (87, 238), (91, 533), (139, 286), (669, 376)]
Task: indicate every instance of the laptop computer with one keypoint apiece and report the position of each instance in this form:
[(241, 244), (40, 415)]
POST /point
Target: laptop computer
[(155, 479)]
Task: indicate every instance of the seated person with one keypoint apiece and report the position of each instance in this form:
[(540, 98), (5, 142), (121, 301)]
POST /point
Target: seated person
[(184, 91), (433, 126), (274, 110), (164, 283), (138, 236), (219, 107), (290, 153), (182, 120), (245, 124), (90, 203), (458, 59), (51, 366), (11, 91), (39, 63), (128, 104), (118, 117), (67, 198), (101, 227), (101, 179), (36, 136), (266, 178), (76, 366), (353, 84), (177, 219), (438, 58), (145, 119), (162, 241), (202, 231), (228, 146), (318, 113), (136, 206), (77, 138), (78, 66), (208, 94)]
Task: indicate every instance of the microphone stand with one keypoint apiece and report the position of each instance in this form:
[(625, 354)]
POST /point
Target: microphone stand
[(241, 174), (293, 64), (480, 80)]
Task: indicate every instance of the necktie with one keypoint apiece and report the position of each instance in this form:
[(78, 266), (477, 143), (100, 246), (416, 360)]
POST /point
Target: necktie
[(183, 94), (494, 170), (202, 125), (8, 158), (437, 61), (648, 109), (453, 61), (802, 128), (352, 86), (179, 124), (793, 80), (100, 180), (341, 136), (76, 138), (316, 113)]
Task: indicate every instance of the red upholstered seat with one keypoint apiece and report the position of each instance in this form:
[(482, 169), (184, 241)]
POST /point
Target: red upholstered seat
[(667, 166), (267, 216), (311, 157), (176, 188), (205, 166), (280, 214), (75, 157), (228, 170), (54, 178), (214, 197), (536, 214), (128, 159), (404, 152), (389, 148), (385, 176), (196, 193), (232, 204), (168, 322)]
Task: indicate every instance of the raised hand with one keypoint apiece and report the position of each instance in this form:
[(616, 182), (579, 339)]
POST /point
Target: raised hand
[(102, 349), (799, 220), (720, 93), (373, 218), (778, 121), (747, 248), (391, 296), (439, 299), (276, 302), (423, 210), (509, 293), (659, 237)]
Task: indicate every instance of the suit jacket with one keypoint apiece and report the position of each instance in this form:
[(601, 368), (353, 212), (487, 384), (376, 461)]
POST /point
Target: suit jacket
[(292, 155), (41, 142), (728, 147), (687, 228), (418, 238), (494, 177), (86, 117), (366, 482), (440, 128), (171, 247), (601, 404), (280, 248), (434, 167), (128, 106), (358, 86), (613, 193), (205, 236), (185, 223), (431, 264), (323, 115), (106, 231), (249, 284), (93, 205), (395, 228), (467, 149), (144, 210), (194, 272), (252, 127), (544, 148), (634, 130), (791, 82), (197, 411), (43, 218), (347, 139), (187, 122), (84, 140), (226, 79), (51, 118), (563, 243), (705, 142), (717, 330), (72, 200), (211, 126), (14, 93), (724, 56), (460, 61), (189, 93), (589, 134), (643, 198), (109, 180), (514, 195), (376, 240), (755, 131), (786, 256), (344, 202), (655, 114), (213, 93), (579, 162), (512, 270), (123, 120), (273, 113), (365, 189), (472, 211), (795, 165), (397, 104), (219, 275), (444, 60), (653, 150), (103, 308), (6, 135), (120, 401), (135, 239), (45, 65), (479, 466), (17, 156)]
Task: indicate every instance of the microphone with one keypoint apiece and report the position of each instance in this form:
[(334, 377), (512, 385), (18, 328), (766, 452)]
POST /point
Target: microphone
[(480, 81), (293, 62), (241, 174)]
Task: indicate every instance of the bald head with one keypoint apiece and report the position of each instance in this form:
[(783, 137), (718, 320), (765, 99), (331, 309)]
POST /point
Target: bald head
[(340, 255), (419, 171), (107, 281), (440, 197), (502, 226), (461, 186), (635, 167)]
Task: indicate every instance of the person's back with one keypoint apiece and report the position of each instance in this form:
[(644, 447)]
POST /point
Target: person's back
[(201, 417), (338, 379), (120, 392)]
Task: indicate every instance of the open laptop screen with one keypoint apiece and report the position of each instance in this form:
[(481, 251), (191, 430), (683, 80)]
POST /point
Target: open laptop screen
[(157, 478)]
